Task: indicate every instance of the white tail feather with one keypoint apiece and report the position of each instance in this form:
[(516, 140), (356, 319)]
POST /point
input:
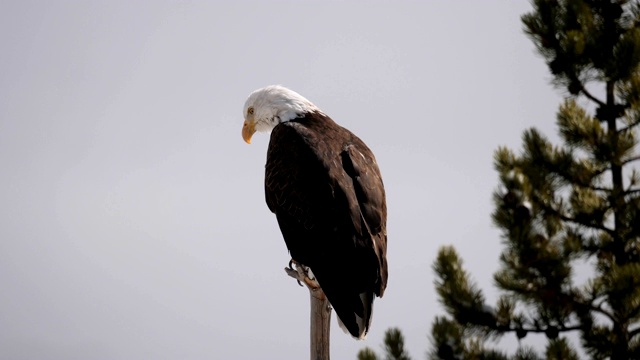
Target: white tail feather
[(363, 322)]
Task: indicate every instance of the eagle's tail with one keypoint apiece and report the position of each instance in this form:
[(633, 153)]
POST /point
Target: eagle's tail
[(357, 321)]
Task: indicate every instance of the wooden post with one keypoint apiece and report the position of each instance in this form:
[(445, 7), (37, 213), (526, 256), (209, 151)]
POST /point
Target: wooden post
[(320, 324), (320, 319)]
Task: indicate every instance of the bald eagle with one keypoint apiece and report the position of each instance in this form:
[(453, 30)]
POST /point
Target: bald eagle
[(324, 186)]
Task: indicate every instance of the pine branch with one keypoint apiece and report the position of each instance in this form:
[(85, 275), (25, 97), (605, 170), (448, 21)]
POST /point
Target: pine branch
[(367, 354), (601, 171), (576, 221), (586, 93), (631, 159), (635, 312), (602, 311), (629, 127), (551, 331), (394, 345), (598, 188)]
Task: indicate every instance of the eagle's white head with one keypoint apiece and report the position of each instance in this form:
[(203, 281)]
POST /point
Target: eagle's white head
[(267, 107)]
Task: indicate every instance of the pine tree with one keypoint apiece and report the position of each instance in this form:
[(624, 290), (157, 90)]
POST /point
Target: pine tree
[(562, 206), (393, 347)]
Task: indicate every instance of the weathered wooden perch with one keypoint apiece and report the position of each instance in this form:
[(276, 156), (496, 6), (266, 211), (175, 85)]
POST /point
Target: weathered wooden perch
[(320, 313)]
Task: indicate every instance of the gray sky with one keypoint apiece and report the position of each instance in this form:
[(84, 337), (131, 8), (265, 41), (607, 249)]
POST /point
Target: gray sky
[(132, 215)]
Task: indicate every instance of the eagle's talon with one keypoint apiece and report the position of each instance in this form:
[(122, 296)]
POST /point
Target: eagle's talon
[(291, 262)]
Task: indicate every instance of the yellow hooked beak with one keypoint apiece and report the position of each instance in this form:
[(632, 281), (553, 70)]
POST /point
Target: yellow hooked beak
[(248, 129)]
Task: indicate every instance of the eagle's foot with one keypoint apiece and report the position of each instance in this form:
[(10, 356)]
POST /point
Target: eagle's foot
[(302, 274), (290, 270)]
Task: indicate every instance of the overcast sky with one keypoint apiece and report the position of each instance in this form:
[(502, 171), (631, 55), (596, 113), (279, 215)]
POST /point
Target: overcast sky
[(132, 215)]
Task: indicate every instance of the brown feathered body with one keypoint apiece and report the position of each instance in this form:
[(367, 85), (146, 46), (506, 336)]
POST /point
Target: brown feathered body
[(325, 188)]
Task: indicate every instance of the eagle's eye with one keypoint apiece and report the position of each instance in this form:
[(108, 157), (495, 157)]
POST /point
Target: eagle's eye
[(250, 111)]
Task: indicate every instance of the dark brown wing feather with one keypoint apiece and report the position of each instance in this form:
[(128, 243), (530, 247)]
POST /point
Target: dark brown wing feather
[(324, 186)]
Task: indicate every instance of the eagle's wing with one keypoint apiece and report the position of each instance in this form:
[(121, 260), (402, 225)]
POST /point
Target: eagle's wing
[(325, 188)]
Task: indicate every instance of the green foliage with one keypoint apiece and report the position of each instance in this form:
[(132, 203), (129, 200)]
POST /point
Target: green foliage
[(447, 339), (457, 293), (560, 206), (559, 349), (393, 347), (367, 354)]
